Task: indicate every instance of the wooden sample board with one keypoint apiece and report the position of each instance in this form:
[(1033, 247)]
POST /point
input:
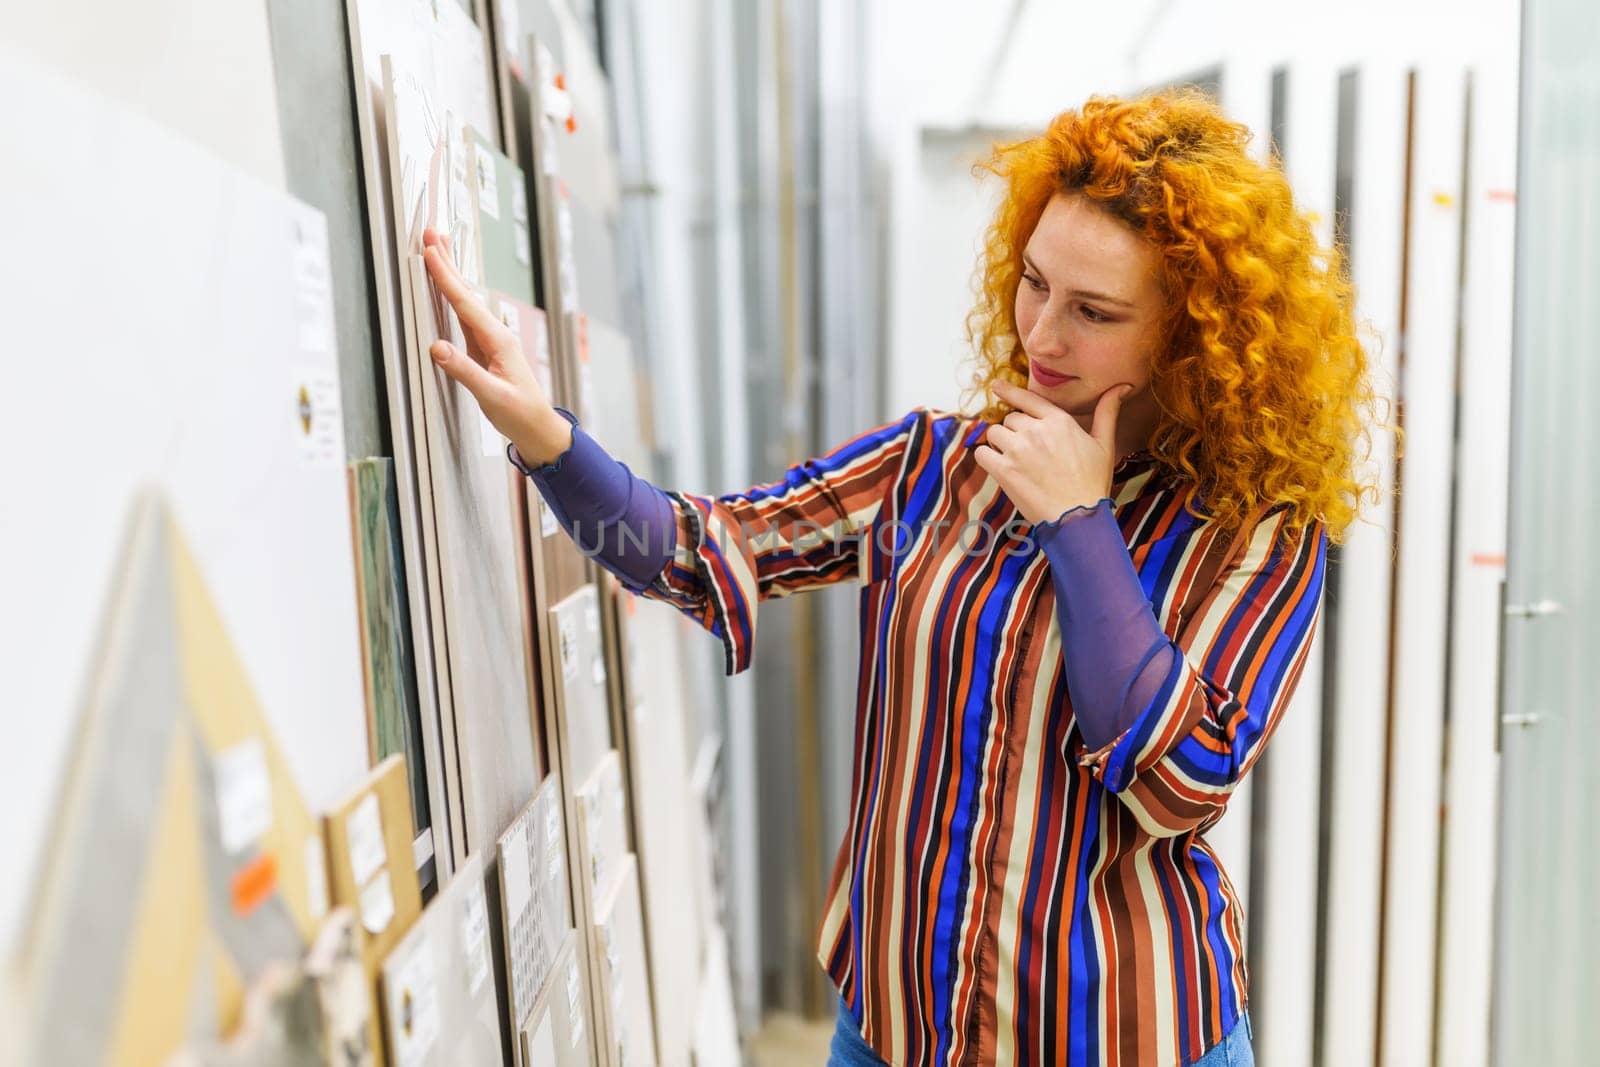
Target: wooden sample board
[(440, 1006), (371, 869)]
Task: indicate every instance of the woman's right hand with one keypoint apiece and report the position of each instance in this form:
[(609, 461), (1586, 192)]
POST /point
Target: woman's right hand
[(493, 368)]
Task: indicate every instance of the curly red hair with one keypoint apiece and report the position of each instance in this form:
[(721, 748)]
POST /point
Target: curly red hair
[(1261, 381)]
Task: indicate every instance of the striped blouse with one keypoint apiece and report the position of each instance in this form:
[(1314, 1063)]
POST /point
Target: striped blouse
[(1004, 895)]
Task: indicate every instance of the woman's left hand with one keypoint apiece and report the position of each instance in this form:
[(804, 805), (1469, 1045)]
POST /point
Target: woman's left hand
[(1044, 460)]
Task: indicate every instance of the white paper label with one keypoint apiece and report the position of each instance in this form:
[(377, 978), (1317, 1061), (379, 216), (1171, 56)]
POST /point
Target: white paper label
[(377, 904), (553, 871), (524, 245), (313, 286), (316, 417), (475, 936), (518, 877), (244, 795), (547, 519), (591, 616), (488, 181), (419, 1006), (519, 196), (365, 831), (316, 877), (598, 670), (552, 826)]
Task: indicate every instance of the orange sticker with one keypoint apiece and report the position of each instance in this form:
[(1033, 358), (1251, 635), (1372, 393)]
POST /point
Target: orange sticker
[(1488, 559), (1504, 196), (254, 883)]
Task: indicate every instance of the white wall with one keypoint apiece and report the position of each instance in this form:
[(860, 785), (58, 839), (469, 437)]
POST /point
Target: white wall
[(203, 69)]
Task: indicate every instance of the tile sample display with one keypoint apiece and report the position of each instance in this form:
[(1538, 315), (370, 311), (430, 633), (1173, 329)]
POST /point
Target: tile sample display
[(439, 999), (603, 823), (619, 954), (558, 1032), (492, 705), (534, 898), (394, 723), (671, 840), (442, 54), (231, 411), (581, 660)]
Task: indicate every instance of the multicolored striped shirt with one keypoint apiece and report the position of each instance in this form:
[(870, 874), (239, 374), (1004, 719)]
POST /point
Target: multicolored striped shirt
[(1002, 894)]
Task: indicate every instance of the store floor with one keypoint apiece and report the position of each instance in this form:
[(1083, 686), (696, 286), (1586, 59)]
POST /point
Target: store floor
[(790, 1041)]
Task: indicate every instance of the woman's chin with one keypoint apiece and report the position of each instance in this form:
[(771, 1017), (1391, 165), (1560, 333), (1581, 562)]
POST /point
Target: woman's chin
[(1065, 395)]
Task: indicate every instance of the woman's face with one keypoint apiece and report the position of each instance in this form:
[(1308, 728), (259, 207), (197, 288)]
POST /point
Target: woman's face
[(1089, 311)]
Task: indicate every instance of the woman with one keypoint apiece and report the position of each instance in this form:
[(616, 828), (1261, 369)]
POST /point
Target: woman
[(1083, 612)]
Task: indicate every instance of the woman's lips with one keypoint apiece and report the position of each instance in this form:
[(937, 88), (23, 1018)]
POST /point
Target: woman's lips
[(1048, 378)]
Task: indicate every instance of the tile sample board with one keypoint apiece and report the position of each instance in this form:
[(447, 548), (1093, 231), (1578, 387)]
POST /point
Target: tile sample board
[(535, 898), (371, 869), (618, 421), (439, 997), (208, 372), (603, 823), (369, 859), (500, 210), (671, 836), (558, 1032), (619, 955), (442, 52), (492, 706), (180, 795), (394, 725), (580, 658)]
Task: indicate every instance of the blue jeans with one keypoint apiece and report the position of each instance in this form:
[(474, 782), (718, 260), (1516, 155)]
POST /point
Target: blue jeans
[(1235, 1049), (848, 1050)]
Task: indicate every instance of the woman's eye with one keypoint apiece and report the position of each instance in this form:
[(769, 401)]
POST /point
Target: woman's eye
[(1033, 283), (1094, 316)]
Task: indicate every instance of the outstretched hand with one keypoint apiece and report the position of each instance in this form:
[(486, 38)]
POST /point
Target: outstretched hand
[(1042, 458), (493, 368)]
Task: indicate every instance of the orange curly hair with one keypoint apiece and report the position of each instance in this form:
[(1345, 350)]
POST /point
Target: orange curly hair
[(1261, 381)]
